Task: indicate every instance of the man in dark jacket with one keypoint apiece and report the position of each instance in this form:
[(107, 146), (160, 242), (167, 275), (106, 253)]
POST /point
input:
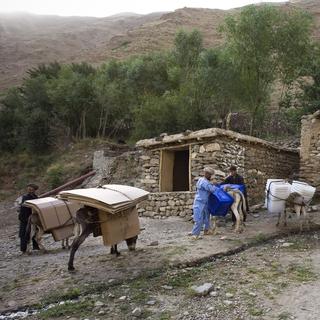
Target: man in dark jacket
[(235, 178), (24, 215)]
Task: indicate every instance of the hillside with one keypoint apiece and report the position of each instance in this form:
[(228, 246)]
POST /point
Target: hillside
[(27, 40)]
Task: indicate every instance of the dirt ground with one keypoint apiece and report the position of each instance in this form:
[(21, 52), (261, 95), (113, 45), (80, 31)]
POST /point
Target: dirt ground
[(163, 248)]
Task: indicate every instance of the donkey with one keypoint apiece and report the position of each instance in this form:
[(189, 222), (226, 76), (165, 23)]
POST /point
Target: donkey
[(87, 222), (35, 229), (296, 203), (238, 208)]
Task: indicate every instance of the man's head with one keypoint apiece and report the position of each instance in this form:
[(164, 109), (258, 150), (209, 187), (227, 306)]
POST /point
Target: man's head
[(233, 170), (208, 172), (32, 188)]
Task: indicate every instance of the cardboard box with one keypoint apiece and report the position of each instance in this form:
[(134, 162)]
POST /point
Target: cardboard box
[(118, 227), (53, 213), (62, 232)]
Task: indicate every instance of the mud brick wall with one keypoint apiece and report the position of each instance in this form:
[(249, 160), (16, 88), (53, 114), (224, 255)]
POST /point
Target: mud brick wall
[(310, 150)]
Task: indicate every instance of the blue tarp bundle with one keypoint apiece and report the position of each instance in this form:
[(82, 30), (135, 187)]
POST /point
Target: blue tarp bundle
[(220, 201)]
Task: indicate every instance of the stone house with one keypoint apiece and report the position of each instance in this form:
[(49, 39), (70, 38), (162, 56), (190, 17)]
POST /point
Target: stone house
[(171, 164), (310, 149)]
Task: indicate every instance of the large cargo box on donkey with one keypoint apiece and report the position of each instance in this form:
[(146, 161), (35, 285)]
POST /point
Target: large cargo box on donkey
[(55, 215), (118, 217), (219, 202), (118, 227)]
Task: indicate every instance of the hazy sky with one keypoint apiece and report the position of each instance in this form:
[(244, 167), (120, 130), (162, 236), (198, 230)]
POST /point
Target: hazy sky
[(102, 8)]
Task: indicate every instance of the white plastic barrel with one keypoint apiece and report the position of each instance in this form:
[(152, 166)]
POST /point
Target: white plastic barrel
[(267, 186), (304, 189), (277, 193)]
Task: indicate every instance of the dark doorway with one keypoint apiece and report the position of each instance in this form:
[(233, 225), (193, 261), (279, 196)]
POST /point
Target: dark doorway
[(181, 171), (174, 170)]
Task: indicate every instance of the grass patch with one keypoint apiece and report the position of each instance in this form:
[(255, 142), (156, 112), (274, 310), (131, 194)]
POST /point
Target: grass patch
[(284, 316), (57, 296), (165, 316), (68, 309), (302, 273), (260, 237), (256, 312)]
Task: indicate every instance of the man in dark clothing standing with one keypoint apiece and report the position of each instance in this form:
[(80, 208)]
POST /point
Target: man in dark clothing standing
[(24, 215), (235, 178)]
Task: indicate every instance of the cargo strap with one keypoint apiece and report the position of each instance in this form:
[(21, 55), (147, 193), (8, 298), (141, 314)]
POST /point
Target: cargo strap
[(118, 192)]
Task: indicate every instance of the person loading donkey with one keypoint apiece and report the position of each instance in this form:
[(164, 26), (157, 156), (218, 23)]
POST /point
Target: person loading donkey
[(201, 215)]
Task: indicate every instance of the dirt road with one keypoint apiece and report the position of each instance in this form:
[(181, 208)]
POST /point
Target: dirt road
[(262, 281)]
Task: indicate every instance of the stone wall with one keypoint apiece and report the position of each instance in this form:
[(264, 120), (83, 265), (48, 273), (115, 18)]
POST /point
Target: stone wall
[(165, 204), (310, 150)]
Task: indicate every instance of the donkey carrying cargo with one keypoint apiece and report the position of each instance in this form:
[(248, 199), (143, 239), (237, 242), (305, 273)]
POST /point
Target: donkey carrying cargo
[(87, 222)]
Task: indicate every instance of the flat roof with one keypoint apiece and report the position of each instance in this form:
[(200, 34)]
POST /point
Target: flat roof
[(192, 137)]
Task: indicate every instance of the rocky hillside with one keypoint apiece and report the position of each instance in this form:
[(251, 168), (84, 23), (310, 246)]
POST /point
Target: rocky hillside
[(27, 40)]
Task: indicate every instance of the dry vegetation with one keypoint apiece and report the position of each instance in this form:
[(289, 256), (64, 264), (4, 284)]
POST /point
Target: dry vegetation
[(27, 40)]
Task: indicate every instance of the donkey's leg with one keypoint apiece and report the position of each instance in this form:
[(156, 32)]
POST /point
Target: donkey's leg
[(67, 243), (306, 217), (114, 250), (279, 217), (214, 225), (241, 216), (38, 237), (297, 209), (76, 244), (234, 209), (285, 218)]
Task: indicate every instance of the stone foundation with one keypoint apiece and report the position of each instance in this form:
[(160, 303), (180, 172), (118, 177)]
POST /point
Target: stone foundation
[(167, 204)]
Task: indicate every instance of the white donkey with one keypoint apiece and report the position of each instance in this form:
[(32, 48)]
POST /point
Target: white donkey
[(238, 208)]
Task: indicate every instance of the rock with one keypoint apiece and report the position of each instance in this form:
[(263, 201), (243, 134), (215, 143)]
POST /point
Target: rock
[(252, 294), (167, 287), (227, 302), (98, 304), (110, 295), (203, 289), (123, 298), (229, 295), (153, 243), (11, 303), (137, 312), (213, 147), (111, 280), (213, 293), (186, 313), (151, 302), (256, 215), (286, 244), (210, 308), (202, 149), (219, 173)]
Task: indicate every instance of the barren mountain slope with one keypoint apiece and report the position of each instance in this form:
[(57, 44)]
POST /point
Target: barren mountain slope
[(27, 40)]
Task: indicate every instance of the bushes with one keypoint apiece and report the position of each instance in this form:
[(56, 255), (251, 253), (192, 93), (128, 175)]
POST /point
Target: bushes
[(55, 175)]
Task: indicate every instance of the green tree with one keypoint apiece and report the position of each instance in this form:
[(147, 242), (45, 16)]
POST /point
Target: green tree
[(264, 44)]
